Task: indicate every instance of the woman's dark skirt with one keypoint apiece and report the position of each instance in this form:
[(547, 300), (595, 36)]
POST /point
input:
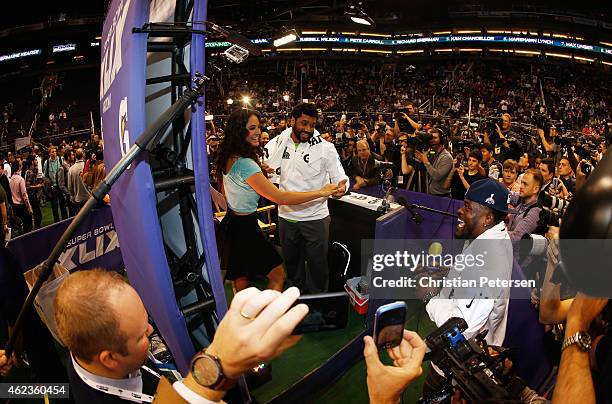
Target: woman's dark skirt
[(243, 248)]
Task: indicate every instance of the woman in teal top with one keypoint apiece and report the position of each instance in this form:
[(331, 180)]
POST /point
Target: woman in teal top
[(243, 249)]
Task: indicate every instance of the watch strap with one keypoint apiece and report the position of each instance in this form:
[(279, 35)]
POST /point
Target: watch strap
[(223, 383), (576, 339)]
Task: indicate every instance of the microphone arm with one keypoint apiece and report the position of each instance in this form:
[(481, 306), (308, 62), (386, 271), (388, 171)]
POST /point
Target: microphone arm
[(440, 212), (146, 141)]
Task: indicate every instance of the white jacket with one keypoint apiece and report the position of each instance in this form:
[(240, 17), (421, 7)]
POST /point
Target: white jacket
[(480, 313), (308, 167)]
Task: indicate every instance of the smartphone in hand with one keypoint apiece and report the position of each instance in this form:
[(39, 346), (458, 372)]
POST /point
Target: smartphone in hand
[(326, 311), (389, 325)]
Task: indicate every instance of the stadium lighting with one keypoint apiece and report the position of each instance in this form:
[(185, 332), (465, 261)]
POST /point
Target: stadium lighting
[(246, 99), (230, 101), (358, 16), (288, 37)]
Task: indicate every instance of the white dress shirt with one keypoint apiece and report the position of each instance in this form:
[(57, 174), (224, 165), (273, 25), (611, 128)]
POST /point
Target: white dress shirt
[(304, 167)]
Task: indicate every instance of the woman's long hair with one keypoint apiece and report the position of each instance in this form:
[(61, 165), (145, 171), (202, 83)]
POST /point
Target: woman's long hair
[(234, 141)]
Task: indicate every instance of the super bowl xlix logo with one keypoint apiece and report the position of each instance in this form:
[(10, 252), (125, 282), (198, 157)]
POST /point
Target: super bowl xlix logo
[(124, 134)]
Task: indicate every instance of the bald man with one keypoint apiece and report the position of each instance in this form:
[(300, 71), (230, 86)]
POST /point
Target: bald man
[(363, 170)]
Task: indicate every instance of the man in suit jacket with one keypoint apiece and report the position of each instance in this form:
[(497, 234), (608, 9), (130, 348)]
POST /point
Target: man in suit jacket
[(364, 171)]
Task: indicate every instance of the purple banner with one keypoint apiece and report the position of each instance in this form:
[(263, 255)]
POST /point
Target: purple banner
[(94, 244), (133, 199)]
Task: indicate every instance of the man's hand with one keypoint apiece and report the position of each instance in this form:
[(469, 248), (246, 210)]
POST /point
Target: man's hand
[(499, 132), (5, 363), (359, 182), (242, 343), (422, 157), (461, 171), (341, 190), (386, 383), (583, 311), (267, 169)]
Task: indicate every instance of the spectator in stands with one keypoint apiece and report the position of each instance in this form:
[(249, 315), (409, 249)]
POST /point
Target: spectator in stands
[(265, 138), (34, 186), (21, 203), (76, 186), (3, 216), (492, 167), (547, 169), (364, 171), (6, 166), (62, 180), (459, 180), (524, 163), (213, 148), (509, 176), (525, 218), (566, 174), (439, 167), (4, 182), (37, 161), (244, 251), (51, 168), (347, 152)]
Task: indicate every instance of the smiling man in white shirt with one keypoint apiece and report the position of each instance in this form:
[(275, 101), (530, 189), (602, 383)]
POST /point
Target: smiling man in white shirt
[(482, 225), (305, 162)]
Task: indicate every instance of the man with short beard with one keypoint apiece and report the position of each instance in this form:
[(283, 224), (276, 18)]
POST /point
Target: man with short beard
[(481, 223), (305, 162), (567, 175)]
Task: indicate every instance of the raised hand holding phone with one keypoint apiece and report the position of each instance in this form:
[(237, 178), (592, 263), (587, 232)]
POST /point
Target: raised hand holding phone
[(389, 325)]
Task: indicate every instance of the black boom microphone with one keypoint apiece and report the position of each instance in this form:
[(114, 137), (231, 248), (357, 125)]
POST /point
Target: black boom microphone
[(415, 216)]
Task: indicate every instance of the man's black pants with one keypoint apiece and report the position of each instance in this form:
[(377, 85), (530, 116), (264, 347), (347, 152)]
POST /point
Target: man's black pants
[(306, 241), (57, 201), (26, 219)]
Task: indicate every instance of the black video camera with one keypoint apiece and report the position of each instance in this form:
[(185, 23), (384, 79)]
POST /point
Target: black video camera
[(419, 141), (477, 374)]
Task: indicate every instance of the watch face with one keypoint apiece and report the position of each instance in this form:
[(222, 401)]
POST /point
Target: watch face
[(205, 371), (584, 341)]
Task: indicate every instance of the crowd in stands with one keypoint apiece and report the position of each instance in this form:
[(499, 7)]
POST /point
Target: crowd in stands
[(61, 175), (577, 95), (49, 109)]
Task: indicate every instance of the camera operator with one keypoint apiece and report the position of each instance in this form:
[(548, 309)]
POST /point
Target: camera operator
[(404, 121), (364, 172), (498, 138), (459, 180), (548, 142), (413, 175), (440, 165)]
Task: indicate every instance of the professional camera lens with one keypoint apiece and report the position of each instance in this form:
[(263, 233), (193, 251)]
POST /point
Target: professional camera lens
[(535, 244)]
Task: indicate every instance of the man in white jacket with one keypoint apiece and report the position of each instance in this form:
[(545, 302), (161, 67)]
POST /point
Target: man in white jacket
[(305, 162), (481, 222)]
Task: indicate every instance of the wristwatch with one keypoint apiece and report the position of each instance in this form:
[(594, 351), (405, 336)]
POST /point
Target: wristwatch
[(207, 372), (582, 339)]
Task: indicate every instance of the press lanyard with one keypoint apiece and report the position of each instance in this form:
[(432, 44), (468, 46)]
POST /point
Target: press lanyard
[(115, 391)]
